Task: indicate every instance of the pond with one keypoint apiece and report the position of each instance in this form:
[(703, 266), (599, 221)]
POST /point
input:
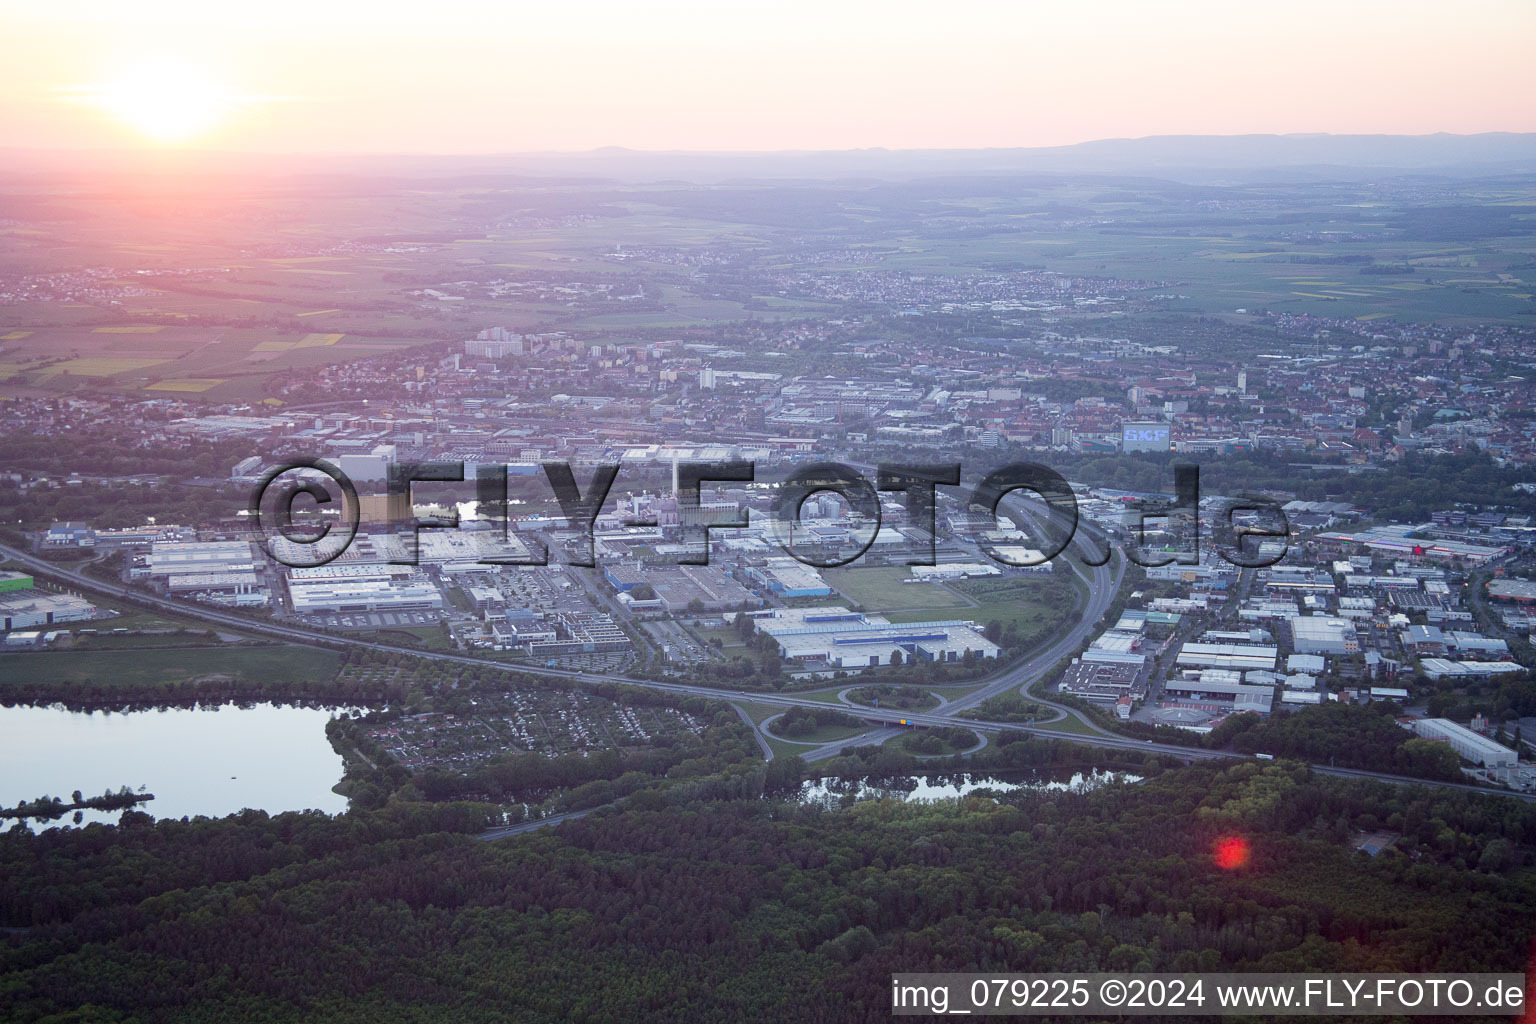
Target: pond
[(207, 760), (921, 788)]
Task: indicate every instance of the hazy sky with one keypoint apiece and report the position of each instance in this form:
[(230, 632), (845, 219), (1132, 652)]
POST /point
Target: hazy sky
[(339, 76)]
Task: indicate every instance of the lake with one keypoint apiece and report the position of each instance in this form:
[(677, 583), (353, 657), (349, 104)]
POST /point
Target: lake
[(211, 761)]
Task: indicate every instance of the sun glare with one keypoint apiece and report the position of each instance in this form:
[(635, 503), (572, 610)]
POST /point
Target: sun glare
[(165, 102), (1231, 853)]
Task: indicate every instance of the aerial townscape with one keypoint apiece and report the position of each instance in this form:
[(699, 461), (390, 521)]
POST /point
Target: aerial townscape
[(718, 581)]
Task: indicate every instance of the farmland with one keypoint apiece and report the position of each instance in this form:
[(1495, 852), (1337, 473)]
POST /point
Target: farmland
[(214, 364), (169, 305)]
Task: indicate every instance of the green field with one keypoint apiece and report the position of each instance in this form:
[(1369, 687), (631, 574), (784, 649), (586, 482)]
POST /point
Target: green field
[(826, 734), (882, 589), (178, 361), (1023, 601), (1069, 723), (265, 665)]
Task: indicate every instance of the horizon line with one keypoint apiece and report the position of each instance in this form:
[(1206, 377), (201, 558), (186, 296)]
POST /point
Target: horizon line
[(191, 150)]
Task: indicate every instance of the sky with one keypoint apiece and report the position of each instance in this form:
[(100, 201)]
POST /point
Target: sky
[(337, 76)]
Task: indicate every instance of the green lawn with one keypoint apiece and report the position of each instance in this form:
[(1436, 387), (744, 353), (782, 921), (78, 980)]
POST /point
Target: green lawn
[(1024, 600), (134, 619), (727, 635), (881, 589), (825, 696), (826, 734), (759, 713), (1069, 723), (783, 748), (925, 701), (952, 691), (429, 638)]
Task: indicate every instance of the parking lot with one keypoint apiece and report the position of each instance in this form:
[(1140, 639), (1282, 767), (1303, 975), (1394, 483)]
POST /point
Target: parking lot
[(680, 644)]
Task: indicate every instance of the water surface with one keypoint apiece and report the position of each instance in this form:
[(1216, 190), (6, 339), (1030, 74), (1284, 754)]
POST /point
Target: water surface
[(924, 788), (208, 760)]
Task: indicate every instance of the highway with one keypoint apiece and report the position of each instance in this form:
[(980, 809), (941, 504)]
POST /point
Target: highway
[(529, 826), (1103, 584)]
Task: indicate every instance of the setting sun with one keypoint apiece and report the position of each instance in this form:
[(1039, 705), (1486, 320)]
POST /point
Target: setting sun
[(164, 101)]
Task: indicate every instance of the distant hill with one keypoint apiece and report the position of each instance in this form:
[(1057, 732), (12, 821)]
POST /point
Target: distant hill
[(1188, 158), (1193, 158)]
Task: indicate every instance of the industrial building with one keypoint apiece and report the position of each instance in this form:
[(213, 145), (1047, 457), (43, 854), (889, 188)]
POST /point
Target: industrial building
[(1228, 656), (1116, 647), (1464, 642), (69, 535), (247, 468), (1311, 664), (701, 588), (786, 577), (1145, 437), (1480, 750), (847, 639), (23, 607), (383, 590), (1221, 688), (958, 570), (219, 572), (1323, 634), (167, 559), (682, 588), (1444, 668), (1135, 619), (581, 633), (1512, 590), (1395, 542), (1103, 681), (1304, 697)]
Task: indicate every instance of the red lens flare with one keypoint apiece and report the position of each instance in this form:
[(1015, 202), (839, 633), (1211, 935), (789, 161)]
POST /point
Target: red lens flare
[(1231, 853)]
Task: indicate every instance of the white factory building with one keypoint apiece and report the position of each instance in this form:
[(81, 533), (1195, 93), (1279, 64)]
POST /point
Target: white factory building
[(381, 590), (1445, 668), (23, 609), (847, 639), (1311, 664), (1230, 656), (953, 571), (220, 572), (1471, 746)]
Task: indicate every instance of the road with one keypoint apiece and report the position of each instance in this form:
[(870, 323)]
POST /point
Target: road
[(1103, 584), (529, 826)]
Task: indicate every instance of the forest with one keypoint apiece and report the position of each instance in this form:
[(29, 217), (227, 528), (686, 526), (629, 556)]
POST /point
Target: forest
[(725, 898), (1408, 492), (1349, 735)]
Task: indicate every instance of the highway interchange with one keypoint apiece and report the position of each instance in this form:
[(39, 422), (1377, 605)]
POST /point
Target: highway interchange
[(1102, 582)]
